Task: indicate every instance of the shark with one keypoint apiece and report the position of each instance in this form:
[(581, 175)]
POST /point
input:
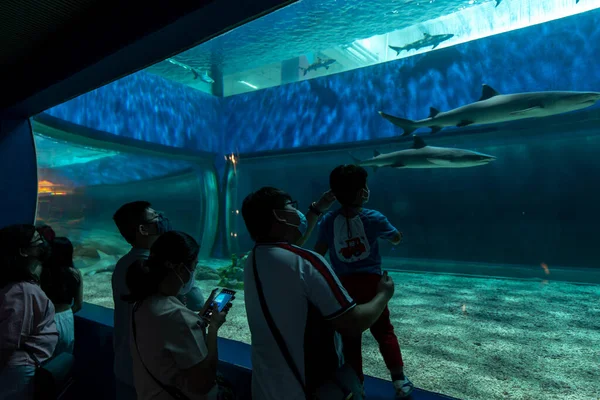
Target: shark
[(428, 40), (106, 263), (204, 77), (319, 64), (420, 155), (493, 107)]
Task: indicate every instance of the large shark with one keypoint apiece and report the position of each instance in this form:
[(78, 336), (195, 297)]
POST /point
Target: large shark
[(494, 107), (428, 40), (420, 155)]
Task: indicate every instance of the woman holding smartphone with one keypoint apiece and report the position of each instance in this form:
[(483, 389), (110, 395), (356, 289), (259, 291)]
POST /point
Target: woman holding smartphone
[(174, 349)]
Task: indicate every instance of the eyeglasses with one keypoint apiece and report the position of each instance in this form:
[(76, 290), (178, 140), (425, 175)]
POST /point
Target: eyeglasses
[(37, 241), (292, 203), (154, 219)]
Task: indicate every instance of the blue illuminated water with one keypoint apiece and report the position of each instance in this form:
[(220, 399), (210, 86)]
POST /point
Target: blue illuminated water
[(559, 55)]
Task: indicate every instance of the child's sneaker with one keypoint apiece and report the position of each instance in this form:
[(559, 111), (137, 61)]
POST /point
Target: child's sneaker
[(403, 388)]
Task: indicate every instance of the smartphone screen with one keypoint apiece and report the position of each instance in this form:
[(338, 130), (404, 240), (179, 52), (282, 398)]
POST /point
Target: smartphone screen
[(221, 300)]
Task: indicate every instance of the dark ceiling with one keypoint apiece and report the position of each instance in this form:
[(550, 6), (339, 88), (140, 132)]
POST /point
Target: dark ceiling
[(46, 44)]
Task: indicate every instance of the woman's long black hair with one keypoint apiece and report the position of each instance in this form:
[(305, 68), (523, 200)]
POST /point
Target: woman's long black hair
[(14, 267), (143, 278)]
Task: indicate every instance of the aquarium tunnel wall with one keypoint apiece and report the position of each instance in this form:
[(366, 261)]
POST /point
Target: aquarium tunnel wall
[(18, 173), (558, 55)]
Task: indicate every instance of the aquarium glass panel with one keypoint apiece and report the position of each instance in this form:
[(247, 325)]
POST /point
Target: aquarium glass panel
[(477, 123), (80, 188)]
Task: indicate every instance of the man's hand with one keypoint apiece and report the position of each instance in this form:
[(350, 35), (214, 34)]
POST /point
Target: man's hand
[(386, 286), (326, 200)]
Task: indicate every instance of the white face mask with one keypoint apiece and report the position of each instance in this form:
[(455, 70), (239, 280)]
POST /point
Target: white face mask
[(366, 195), (187, 286)]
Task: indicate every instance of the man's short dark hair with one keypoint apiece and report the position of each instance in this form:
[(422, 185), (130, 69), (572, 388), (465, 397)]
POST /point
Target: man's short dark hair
[(346, 181), (258, 207), (129, 216)]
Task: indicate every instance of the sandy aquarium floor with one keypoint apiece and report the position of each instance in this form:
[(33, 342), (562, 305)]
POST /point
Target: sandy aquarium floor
[(474, 338)]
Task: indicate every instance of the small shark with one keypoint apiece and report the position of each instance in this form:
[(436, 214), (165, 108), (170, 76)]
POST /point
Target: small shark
[(316, 65), (420, 155), (204, 77), (106, 263), (428, 40), (494, 107)]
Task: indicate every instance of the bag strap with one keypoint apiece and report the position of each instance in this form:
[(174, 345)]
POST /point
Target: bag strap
[(31, 354), (274, 331), (172, 390)]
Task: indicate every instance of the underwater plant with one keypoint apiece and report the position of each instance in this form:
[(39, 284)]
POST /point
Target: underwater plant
[(231, 276)]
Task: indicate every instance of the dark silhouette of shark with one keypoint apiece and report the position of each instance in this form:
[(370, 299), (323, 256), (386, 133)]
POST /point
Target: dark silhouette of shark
[(318, 64), (428, 40)]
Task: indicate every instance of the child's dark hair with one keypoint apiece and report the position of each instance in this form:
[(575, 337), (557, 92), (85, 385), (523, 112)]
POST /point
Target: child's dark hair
[(143, 278), (59, 277), (346, 181), (61, 256)]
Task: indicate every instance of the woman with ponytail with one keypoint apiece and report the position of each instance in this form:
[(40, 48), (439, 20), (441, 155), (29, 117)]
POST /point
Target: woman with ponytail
[(63, 284), (174, 349)]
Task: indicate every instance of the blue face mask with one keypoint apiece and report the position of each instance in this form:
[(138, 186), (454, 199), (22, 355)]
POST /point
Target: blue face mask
[(302, 226), (303, 223), (163, 224)]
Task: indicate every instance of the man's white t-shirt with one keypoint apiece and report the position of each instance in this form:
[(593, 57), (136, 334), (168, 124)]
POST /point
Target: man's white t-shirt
[(122, 315), (170, 338), (295, 282)]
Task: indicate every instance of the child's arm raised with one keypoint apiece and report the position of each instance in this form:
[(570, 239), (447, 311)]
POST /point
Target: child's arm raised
[(386, 230)]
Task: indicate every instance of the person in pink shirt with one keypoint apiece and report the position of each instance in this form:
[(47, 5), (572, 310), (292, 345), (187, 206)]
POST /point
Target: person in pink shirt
[(28, 334)]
